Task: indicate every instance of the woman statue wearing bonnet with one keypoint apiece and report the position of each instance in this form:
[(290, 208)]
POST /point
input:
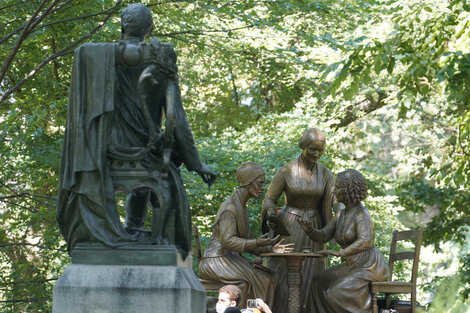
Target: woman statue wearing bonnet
[(222, 260), (308, 189)]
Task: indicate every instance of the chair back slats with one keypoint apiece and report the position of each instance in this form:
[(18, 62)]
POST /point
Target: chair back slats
[(417, 237), (397, 256), (407, 234), (381, 287)]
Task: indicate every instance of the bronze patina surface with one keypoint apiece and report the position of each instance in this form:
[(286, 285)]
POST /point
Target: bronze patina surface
[(308, 188), (222, 260), (114, 140), (345, 288)]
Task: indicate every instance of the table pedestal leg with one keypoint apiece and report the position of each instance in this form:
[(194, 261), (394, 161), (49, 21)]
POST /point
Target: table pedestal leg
[(294, 281)]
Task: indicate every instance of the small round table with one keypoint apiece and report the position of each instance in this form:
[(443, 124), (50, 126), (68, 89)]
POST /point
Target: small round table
[(294, 275)]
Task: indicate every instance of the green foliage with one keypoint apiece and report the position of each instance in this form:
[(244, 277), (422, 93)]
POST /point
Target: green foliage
[(447, 298), (388, 83), (422, 64), (417, 196)]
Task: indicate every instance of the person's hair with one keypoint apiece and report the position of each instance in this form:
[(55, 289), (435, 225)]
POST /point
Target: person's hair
[(234, 293), (310, 135), (354, 185), (136, 20), (232, 309)]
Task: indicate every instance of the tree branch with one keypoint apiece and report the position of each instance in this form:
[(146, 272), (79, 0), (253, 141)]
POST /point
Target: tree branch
[(235, 91), (13, 196), (32, 210), (13, 204), (43, 15), (201, 31), (366, 106), (54, 63), (64, 51), (5, 38), (24, 34), (14, 4), (11, 22), (25, 194), (38, 199), (106, 12)]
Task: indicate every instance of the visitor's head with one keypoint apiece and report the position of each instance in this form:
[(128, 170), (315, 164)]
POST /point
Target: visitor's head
[(312, 144), (251, 175), (229, 296), (136, 21), (350, 187)]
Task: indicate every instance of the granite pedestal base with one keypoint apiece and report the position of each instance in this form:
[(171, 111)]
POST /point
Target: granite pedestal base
[(163, 284)]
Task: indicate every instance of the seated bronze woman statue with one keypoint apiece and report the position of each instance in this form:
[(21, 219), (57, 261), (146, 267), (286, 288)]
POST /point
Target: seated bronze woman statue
[(222, 260), (345, 288)]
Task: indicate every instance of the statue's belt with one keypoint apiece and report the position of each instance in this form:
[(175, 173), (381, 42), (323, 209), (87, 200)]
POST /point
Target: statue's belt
[(301, 212)]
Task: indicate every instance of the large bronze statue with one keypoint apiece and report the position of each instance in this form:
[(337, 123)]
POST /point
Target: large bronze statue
[(308, 188), (345, 288), (222, 260), (114, 140)]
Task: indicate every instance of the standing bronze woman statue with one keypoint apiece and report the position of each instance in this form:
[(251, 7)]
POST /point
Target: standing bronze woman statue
[(308, 188), (345, 288), (222, 260)]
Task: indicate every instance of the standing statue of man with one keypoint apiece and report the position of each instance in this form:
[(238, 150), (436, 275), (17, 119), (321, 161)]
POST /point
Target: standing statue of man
[(119, 93)]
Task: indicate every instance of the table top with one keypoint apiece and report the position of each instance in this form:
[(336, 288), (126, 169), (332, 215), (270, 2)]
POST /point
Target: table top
[(295, 254)]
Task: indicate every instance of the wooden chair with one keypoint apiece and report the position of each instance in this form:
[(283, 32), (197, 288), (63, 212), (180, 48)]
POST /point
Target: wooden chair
[(399, 287), (210, 286)]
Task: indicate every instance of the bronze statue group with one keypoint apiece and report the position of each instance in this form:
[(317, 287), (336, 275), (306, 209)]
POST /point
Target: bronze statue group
[(119, 94), (311, 195)]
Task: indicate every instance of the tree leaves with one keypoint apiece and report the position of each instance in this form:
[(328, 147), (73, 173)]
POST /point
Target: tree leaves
[(388, 82)]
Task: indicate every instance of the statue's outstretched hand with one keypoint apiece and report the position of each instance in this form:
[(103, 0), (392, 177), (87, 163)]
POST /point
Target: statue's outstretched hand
[(207, 175), (265, 241), (280, 248)]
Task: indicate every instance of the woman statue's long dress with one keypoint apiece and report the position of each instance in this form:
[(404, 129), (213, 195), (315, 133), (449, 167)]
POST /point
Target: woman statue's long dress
[(308, 189), (345, 288), (222, 260)]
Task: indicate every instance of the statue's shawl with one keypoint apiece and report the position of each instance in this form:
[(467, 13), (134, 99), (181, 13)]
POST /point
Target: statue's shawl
[(234, 205), (86, 208)]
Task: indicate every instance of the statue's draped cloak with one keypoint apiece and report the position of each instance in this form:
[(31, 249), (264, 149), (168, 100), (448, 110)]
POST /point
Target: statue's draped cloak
[(86, 208), (86, 205)]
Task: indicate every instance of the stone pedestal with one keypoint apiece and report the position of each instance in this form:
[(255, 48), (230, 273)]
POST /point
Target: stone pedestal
[(163, 283)]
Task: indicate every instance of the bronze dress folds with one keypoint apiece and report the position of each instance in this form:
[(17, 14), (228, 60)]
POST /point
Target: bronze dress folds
[(222, 260), (345, 288), (104, 104), (306, 191)]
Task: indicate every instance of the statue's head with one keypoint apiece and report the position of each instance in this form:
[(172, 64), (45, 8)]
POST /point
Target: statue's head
[(351, 187), (312, 144), (136, 21), (311, 135), (248, 172), (251, 175)]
